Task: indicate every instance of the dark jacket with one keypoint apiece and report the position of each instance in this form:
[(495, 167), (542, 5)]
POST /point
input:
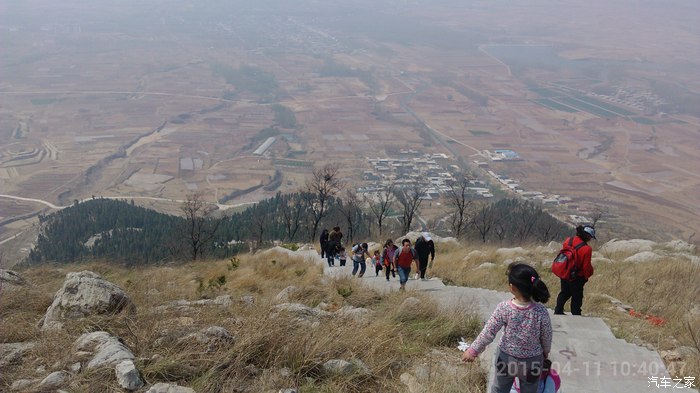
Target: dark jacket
[(424, 249), (335, 236), (324, 237)]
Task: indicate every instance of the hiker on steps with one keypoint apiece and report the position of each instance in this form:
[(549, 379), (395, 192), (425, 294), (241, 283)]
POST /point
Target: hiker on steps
[(334, 243), (324, 242), (358, 258), (388, 258), (425, 247), (527, 335), (583, 270), (403, 259)]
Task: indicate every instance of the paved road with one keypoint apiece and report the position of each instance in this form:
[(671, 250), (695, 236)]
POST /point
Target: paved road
[(585, 352)]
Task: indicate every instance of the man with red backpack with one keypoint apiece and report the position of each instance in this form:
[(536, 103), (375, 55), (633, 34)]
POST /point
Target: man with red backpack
[(575, 270)]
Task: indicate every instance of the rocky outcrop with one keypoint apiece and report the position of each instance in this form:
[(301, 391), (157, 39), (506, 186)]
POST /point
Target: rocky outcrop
[(85, 293), (644, 257), (10, 277), (213, 337), (103, 349), (627, 247)]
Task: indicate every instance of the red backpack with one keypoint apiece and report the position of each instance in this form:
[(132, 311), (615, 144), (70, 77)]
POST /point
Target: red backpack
[(564, 265)]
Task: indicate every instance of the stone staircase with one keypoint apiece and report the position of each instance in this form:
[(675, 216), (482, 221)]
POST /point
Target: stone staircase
[(585, 353)]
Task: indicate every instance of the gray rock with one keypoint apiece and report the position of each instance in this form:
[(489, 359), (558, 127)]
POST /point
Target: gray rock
[(511, 252), (410, 302), (343, 367), (680, 246), (11, 277), (168, 388), (54, 380), (288, 390), (175, 305), (128, 376), (300, 311), (486, 265), (248, 300), (23, 384), (213, 335), (422, 373), (411, 383), (644, 257), (12, 353), (354, 313), (107, 350), (628, 247), (223, 301), (75, 367), (338, 367), (85, 293), (283, 296), (285, 372)]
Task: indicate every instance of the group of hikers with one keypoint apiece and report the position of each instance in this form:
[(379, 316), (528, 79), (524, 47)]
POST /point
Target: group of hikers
[(522, 363), (391, 259)]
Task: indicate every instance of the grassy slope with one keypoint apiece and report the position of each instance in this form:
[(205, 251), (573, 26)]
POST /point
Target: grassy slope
[(393, 341)]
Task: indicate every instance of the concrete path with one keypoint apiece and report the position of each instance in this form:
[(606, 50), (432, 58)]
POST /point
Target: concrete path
[(586, 354)]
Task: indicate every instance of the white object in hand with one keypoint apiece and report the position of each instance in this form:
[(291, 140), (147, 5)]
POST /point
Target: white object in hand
[(463, 345)]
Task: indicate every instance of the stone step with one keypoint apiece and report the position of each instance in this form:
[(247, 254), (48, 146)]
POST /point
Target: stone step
[(588, 356)]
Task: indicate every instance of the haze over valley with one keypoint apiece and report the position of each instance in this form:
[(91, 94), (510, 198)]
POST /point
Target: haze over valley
[(581, 106)]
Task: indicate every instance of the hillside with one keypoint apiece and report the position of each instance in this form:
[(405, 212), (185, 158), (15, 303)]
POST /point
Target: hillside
[(271, 321)]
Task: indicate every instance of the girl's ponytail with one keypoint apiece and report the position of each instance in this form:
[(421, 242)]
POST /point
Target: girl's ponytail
[(540, 292), (528, 282)]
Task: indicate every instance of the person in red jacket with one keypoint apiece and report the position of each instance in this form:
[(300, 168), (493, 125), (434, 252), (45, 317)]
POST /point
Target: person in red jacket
[(573, 289)]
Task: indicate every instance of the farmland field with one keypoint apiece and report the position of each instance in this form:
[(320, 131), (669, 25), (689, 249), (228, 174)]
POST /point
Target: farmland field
[(162, 99)]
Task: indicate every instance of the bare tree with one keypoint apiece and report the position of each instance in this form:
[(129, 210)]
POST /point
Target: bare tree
[(410, 200), (292, 213), (484, 220), (525, 217), (598, 213), (324, 185), (380, 205), (350, 208), (459, 202), (200, 227)]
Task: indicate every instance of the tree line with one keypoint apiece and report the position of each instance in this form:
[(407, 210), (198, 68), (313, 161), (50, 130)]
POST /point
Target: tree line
[(123, 232)]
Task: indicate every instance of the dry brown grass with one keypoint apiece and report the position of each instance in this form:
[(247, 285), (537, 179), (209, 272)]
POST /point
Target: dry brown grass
[(269, 353)]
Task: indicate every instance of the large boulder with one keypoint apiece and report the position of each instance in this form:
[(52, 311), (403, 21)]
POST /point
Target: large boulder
[(105, 350), (343, 367), (644, 257), (301, 312), (85, 293), (54, 380), (628, 247)]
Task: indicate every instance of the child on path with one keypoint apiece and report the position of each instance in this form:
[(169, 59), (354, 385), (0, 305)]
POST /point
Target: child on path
[(403, 259), (388, 258), (377, 261), (342, 256), (527, 335)]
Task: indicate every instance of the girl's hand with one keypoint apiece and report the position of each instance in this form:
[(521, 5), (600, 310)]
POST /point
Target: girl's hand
[(467, 357)]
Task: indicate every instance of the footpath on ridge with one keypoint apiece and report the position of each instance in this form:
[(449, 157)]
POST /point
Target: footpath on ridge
[(585, 353)]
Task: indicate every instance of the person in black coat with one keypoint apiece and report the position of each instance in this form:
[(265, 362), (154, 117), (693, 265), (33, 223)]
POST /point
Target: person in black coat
[(424, 248), (324, 242)]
